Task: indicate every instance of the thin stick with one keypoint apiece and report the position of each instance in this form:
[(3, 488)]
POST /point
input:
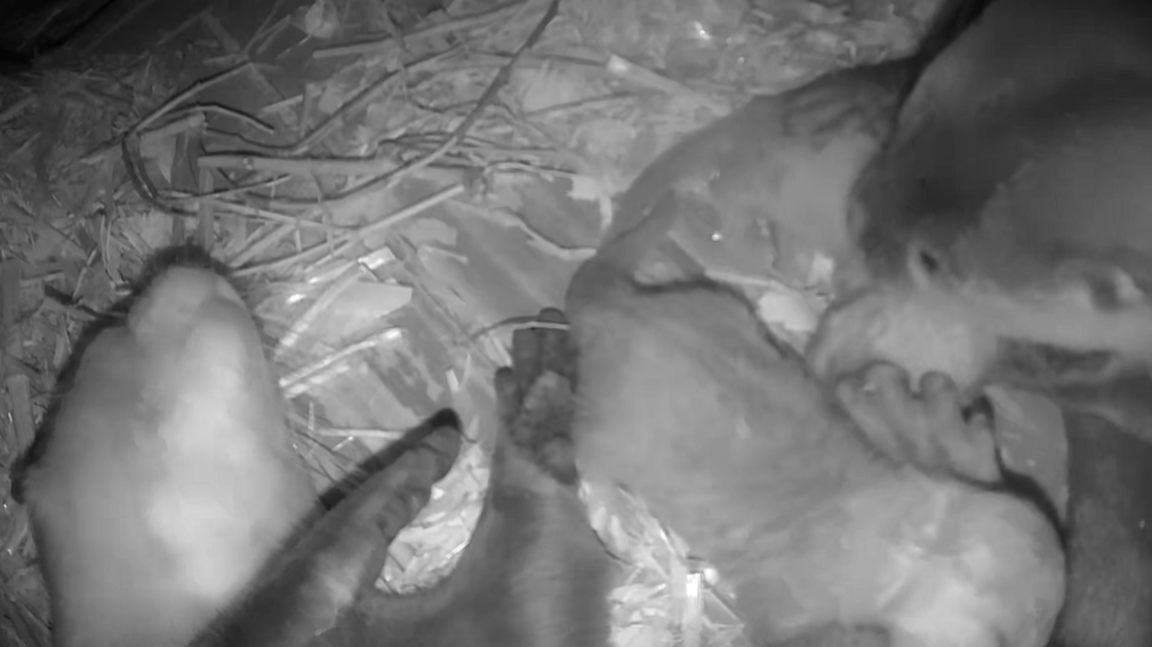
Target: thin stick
[(260, 31), (501, 14), (292, 336), (281, 105), (504, 74), (274, 32), (130, 143), (362, 100), (193, 19), (301, 380), (262, 214), (347, 240), (389, 180), (382, 434), (204, 209), (236, 190), (298, 165), (141, 5), (16, 381), (212, 24), (259, 246), (193, 120), (238, 115), (192, 91), (32, 34)]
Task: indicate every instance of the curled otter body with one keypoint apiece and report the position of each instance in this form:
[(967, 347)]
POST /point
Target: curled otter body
[(687, 400)]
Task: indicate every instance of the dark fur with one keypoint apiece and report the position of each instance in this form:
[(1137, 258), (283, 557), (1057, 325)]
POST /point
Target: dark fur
[(534, 573), (687, 400), (314, 585), (1042, 104), (1083, 73), (1110, 530)]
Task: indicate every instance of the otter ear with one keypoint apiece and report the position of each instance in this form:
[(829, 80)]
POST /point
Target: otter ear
[(924, 263), (1125, 291), (1102, 285)]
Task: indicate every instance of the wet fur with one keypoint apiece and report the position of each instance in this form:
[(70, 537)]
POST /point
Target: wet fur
[(687, 400), (1110, 529), (1032, 222), (781, 140), (534, 573), (1021, 295), (733, 445), (817, 135), (310, 590), (115, 448)]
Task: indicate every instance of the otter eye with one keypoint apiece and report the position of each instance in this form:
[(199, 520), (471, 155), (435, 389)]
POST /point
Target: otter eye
[(923, 262), (929, 262)]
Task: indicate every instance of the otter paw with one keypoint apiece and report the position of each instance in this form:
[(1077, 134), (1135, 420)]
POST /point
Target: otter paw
[(928, 429), (535, 396)]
